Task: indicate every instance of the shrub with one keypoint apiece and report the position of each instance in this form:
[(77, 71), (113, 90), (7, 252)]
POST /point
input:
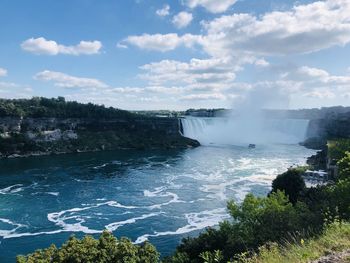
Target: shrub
[(291, 183), (89, 250)]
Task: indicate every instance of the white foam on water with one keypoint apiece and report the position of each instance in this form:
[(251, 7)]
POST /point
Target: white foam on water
[(175, 199), (116, 204), (154, 193), (195, 221), (241, 192), (114, 226), (5, 233), (100, 166), (53, 193), (159, 192), (11, 189)]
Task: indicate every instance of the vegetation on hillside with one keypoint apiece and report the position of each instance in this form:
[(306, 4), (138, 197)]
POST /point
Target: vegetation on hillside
[(338, 148), (89, 250), (38, 107), (336, 238)]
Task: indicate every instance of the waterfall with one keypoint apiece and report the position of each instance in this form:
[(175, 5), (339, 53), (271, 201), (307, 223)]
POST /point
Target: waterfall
[(231, 131)]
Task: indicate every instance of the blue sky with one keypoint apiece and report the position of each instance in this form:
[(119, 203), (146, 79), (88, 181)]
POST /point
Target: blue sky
[(155, 54)]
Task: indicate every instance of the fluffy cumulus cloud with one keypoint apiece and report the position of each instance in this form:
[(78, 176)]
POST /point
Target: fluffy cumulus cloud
[(303, 29), (162, 42), (317, 77), (66, 81), (165, 11), (182, 19), (197, 74), (41, 46), (3, 72), (213, 6), (318, 83)]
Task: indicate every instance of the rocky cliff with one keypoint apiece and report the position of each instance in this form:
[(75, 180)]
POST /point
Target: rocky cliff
[(321, 130), (37, 136)]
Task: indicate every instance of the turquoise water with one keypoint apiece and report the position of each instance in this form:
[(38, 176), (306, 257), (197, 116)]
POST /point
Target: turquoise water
[(161, 196)]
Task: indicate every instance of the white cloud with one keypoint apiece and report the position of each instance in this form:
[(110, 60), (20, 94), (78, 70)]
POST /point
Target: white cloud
[(163, 11), (5, 85), (163, 43), (41, 46), (196, 74), (3, 72), (320, 94), (182, 19), (303, 29), (12, 90), (317, 77), (204, 96), (261, 63), (66, 81), (213, 6), (318, 83)]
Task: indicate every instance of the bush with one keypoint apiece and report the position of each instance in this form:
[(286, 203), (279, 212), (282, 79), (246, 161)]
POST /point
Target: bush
[(291, 183), (89, 250), (344, 166), (255, 222)]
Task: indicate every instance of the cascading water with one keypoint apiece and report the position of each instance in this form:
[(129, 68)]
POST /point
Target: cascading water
[(231, 131)]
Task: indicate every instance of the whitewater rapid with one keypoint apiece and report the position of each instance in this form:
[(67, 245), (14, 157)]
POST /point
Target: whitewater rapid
[(161, 196)]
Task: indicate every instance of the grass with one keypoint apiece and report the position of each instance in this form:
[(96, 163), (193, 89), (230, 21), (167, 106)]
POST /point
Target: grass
[(336, 238)]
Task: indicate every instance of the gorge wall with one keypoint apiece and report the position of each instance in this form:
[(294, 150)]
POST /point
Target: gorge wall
[(38, 136)]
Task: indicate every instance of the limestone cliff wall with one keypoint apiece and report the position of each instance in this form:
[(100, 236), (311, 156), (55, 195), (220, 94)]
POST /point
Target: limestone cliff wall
[(28, 136)]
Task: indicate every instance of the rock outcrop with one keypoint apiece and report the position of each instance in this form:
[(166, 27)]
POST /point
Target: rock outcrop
[(36, 136)]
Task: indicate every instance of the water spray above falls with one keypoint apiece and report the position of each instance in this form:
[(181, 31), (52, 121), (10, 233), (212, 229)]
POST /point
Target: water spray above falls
[(244, 131)]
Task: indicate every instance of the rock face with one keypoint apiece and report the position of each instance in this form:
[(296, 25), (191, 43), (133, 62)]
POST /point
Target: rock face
[(321, 130), (340, 257), (32, 136), (338, 127)]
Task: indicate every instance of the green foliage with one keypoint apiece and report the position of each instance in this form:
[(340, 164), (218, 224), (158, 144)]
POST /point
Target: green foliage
[(89, 250), (38, 107), (255, 222), (344, 166), (269, 219), (336, 238), (340, 199), (291, 183), (337, 148), (211, 257)]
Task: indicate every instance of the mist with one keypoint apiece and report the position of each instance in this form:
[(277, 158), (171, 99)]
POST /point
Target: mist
[(249, 123)]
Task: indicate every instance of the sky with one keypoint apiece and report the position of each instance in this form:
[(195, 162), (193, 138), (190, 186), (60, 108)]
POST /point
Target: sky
[(179, 54)]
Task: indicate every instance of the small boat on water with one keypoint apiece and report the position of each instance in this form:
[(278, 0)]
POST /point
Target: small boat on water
[(251, 146)]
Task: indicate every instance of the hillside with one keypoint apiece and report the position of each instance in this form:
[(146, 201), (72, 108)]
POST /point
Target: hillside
[(332, 246), (41, 126)]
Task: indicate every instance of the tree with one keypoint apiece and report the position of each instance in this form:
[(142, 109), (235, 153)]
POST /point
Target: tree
[(344, 166), (291, 183), (107, 249), (254, 222)]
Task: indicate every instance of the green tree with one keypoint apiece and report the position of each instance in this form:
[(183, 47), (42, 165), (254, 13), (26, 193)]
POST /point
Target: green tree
[(344, 166), (107, 249), (291, 183), (254, 222)]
